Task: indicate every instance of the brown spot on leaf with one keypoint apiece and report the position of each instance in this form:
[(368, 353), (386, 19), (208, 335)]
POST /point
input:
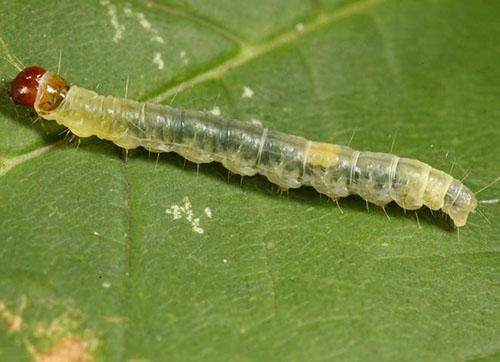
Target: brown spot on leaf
[(69, 349), (12, 320), (67, 322)]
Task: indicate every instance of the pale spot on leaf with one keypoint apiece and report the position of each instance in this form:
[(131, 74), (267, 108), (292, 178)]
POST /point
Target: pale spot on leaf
[(247, 92)]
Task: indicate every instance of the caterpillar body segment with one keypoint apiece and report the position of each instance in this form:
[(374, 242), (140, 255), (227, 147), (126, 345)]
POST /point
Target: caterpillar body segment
[(247, 149)]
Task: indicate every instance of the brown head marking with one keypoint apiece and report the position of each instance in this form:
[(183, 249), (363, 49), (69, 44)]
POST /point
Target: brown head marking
[(36, 87), (52, 92), (24, 87)]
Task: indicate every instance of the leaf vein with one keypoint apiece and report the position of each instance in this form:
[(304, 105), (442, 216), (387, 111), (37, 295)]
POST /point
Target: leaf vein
[(196, 19), (250, 52)]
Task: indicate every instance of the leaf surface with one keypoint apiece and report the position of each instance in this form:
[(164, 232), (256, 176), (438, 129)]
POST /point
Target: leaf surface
[(155, 259)]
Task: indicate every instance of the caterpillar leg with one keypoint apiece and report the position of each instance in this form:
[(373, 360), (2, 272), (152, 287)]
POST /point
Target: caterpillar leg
[(65, 133), (125, 154), (38, 118), (72, 138), (418, 221), (338, 205), (78, 142), (385, 212), (157, 159)]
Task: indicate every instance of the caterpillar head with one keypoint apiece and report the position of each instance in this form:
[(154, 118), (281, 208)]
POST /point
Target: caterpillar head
[(36, 87), (24, 87)]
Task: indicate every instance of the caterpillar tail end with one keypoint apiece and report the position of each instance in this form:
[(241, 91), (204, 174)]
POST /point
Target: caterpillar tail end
[(459, 203)]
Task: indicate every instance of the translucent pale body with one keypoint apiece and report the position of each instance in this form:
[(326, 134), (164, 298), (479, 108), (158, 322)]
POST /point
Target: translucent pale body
[(248, 149)]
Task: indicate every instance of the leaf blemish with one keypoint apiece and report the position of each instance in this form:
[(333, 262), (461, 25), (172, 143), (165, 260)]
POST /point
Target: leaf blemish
[(186, 211), (114, 319), (128, 12), (68, 349), (215, 111), (62, 338), (247, 92), (183, 56), (157, 59), (145, 24), (143, 21), (12, 320), (119, 28), (208, 212)]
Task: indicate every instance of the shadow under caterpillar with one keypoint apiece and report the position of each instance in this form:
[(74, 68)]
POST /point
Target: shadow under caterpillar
[(244, 148)]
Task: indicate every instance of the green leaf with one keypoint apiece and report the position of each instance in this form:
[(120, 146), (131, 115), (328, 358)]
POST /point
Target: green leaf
[(100, 261)]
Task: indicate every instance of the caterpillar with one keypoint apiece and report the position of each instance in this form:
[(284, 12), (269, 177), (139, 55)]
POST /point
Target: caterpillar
[(244, 148)]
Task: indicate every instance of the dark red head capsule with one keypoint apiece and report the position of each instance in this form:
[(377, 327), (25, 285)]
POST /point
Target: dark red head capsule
[(24, 87)]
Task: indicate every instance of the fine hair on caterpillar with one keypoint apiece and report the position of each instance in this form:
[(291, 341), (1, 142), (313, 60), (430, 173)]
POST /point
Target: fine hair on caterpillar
[(244, 148)]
